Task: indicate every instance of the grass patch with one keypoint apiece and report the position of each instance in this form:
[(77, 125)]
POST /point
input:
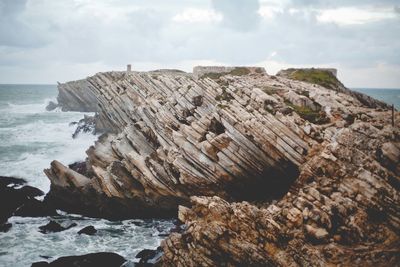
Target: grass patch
[(239, 71), (316, 117), (315, 76), (270, 90)]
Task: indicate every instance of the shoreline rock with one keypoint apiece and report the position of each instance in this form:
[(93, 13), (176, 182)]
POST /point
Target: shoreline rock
[(318, 166), (18, 199), (88, 260)]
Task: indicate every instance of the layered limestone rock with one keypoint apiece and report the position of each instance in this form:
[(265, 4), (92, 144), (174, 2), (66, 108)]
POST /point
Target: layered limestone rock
[(239, 135), (76, 96), (344, 209)]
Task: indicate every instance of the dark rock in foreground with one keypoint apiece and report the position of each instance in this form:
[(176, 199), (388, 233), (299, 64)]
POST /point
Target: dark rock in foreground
[(53, 227), (149, 257), (19, 199), (88, 230), (5, 227), (107, 259)]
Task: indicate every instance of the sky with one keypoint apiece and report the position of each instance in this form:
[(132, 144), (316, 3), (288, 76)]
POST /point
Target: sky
[(45, 41)]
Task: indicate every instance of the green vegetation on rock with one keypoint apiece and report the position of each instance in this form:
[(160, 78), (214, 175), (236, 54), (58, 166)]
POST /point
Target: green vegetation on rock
[(316, 76), (317, 117)]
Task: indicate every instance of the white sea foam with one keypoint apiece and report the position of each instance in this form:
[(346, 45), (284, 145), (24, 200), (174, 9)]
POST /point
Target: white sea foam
[(30, 138), (126, 238), (31, 146)]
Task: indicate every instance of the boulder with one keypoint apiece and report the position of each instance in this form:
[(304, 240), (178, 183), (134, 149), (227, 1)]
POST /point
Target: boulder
[(88, 230), (51, 106), (19, 199), (149, 257), (89, 260), (53, 227)]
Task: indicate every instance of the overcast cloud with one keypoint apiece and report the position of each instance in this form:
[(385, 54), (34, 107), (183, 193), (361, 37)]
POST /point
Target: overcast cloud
[(44, 41)]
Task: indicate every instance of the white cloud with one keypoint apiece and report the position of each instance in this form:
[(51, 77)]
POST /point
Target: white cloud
[(193, 15), (354, 15), (269, 11)]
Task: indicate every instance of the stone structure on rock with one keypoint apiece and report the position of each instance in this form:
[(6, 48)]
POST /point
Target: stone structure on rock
[(326, 157)]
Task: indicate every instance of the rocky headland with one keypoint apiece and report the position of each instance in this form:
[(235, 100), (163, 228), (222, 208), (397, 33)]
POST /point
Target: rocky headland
[(286, 170)]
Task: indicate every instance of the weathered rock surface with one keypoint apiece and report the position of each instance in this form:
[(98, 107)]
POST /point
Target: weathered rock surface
[(343, 209), (328, 79), (327, 160), (241, 136), (76, 96)]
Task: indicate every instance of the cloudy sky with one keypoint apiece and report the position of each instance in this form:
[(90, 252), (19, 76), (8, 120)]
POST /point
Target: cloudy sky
[(44, 41)]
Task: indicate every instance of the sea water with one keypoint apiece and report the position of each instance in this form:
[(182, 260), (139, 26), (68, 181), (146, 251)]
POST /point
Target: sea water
[(390, 96), (30, 138)]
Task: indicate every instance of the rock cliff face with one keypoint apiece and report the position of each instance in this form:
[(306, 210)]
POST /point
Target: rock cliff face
[(326, 160), (76, 96)]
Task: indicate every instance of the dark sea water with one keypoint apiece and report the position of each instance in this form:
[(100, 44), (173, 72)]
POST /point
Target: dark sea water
[(390, 96), (30, 138)]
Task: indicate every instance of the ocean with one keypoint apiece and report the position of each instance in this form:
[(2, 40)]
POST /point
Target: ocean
[(390, 96), (30, 138)]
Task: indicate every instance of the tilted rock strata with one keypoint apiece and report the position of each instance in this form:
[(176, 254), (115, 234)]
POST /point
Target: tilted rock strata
[(343, 209), (237, 137), (76, 96)]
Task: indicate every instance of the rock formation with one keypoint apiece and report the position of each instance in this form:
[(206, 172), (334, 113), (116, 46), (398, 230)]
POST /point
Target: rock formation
[(343, 209), (76, 96), (318, 162)]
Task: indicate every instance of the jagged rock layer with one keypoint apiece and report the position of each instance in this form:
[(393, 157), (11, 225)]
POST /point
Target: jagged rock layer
[(240, 135), (344, 209), (327, 160)]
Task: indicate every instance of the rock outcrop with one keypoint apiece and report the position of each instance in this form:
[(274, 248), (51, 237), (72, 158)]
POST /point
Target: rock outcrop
[(318, 165), (328, 79), (18, 199), (76, 96), (344, 209), (241, 136), (89, 260)]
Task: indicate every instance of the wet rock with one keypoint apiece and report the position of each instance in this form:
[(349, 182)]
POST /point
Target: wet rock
[(35, 208), (88, 230), (51, 106), (53, 227), (5, 227), (89, 260), (149, 257), (40, 264), (85, 125), (19, 199)]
